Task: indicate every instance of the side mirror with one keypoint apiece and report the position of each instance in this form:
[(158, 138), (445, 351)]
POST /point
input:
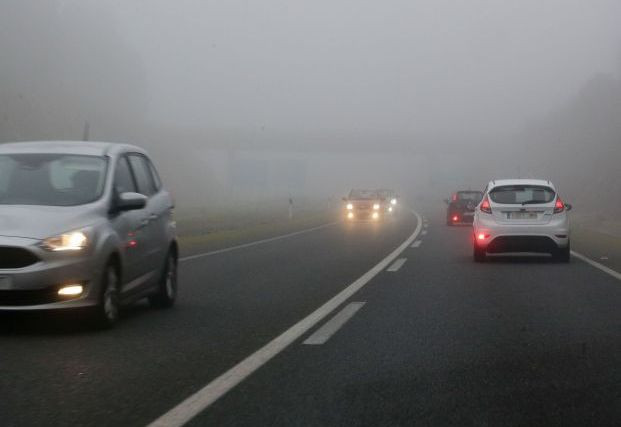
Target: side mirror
[(130, 201), (568, 207)]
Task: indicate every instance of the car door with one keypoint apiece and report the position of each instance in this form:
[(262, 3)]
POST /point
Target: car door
[(129, 227), (163, 209), (152, 213)]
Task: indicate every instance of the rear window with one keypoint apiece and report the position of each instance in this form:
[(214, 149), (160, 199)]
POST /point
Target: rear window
[(522, 194), (474, 196)]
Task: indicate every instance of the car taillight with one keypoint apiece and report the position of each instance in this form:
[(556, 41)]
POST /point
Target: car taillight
[(559, 206), (455, 218), (454, 197), (485, 206)]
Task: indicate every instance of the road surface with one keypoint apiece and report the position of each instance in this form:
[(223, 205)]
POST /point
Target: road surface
[(420, 336)]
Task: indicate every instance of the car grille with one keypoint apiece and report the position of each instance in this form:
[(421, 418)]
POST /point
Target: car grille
[(541, 244), (28, 297), (16, 257)]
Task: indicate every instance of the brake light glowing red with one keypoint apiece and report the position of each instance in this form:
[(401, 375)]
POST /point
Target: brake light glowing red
[(455, 218), (454, 197), (482, 236), (485, 206), (559, 206)]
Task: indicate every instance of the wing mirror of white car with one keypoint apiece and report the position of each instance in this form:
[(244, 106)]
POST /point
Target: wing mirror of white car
[(130, 201), (568, 207)]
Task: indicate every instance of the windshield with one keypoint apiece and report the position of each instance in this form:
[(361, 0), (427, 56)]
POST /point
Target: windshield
[(363, 194), (386, 193), (522, 194), (51, 179)]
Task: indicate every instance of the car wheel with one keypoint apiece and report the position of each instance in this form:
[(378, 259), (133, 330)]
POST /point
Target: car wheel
[(563, 254), (167, 290), (108, 309), (479, 254)]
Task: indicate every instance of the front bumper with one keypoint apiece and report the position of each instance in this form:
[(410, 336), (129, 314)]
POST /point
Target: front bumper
[(35, 287)]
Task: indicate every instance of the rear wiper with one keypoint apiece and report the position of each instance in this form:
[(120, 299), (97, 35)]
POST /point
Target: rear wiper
[(533, 202)]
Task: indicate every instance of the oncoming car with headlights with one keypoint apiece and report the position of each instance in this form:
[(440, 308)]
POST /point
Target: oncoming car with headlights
[(363, 205), (84, 225), (521, 215), (389, 199)]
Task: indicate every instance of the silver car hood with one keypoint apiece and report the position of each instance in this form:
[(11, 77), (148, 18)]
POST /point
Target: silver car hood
[(40, 222)]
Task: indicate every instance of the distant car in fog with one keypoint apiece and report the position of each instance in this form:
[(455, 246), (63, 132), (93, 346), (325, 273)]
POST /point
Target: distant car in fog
[(521, 215), (390, 199), (84, 225), (461, 207), (364, 205)]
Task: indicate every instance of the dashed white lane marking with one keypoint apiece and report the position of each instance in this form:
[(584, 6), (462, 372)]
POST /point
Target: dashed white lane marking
[(423, 232), (256, 242), (203, 398), (397, 265), (597, 265), (416, 244), (324, 333)]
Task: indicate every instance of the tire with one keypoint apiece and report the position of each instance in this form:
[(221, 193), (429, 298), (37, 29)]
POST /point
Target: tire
[(563, 254), (479, 254), (166, 294), (107, 311)]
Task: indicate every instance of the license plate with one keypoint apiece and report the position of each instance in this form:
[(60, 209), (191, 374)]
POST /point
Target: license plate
[(522, 215), (5, 283)]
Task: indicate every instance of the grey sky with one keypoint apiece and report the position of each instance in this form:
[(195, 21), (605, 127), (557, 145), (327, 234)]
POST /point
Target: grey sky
[(394, 66)]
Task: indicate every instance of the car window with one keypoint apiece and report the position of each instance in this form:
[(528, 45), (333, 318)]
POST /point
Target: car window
[(474, 196), (155, 176), (142, 173), (51, 179), (123, 179), (522, 194), (363, 194)]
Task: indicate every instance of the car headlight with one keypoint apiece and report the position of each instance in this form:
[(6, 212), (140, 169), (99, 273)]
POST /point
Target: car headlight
[(350, 206), (72, 241), (376, 206), (393, 202)]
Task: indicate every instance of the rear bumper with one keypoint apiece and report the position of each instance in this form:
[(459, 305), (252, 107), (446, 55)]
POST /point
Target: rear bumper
[(499, 238)]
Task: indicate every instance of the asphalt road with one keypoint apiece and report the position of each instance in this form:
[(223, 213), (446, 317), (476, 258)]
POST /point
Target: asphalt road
[(438, 341)]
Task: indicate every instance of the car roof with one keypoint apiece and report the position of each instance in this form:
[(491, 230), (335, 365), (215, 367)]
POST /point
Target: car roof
[(520, 181), (86, 148)]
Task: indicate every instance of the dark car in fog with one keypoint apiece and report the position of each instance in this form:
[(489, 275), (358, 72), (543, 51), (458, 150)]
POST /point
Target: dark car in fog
[(461, 206), (364, 205)]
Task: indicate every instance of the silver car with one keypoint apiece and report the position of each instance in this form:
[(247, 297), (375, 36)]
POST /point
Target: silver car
[(84, 225)]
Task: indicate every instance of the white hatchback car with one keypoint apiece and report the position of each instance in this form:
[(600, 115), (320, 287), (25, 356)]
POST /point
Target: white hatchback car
[(521, 215)]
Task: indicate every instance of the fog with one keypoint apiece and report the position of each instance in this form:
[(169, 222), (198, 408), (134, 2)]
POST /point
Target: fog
[(242, 101)]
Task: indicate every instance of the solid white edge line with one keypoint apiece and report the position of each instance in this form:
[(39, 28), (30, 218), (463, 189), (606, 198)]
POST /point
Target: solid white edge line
[(597, 265), (202, 399), (332, 326), (397, 265), (256, 242)]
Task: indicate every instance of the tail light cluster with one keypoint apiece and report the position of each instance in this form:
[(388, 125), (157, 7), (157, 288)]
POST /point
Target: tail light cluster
[(485, 206), (559, 206)]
